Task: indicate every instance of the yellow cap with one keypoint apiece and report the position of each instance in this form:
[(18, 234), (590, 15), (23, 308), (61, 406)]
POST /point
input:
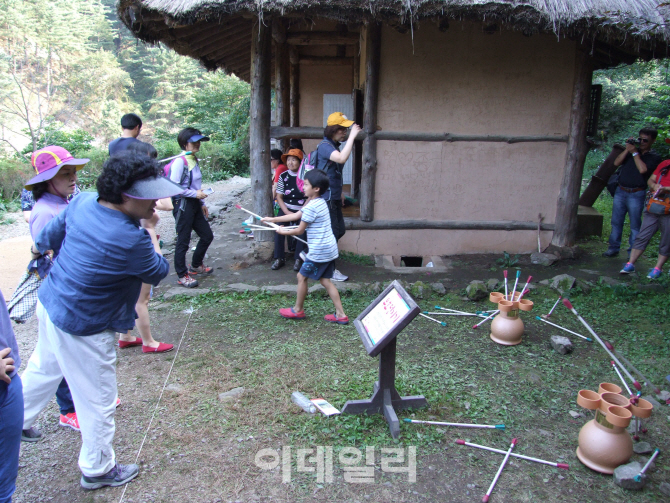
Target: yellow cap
[(339, 119)]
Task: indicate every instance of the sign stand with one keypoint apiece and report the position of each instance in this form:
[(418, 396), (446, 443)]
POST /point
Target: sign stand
[(378, 327)]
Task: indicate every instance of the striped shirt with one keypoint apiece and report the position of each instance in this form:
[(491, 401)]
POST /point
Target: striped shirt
[(320, 238), (287, 186)]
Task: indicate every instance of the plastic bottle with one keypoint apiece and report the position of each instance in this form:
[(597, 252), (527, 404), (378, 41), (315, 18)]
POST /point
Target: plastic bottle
[(301, 400)]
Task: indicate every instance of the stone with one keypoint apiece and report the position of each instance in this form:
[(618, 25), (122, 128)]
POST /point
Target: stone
[(585, 286), (438, 288), (493, 284), (642, 448), (652, 466), (561, 344), (240, 287), (664, 487), (663, 396), (231, 395), (237, 266), (564, 252), (624, 476), (188, 292), (417, 289), (563, 283), (545, 282), (607, 281), (652, 401), (476, 290), (174, 387), (281, 289), (575, 414), (652, 287), (545, 259), (375, 287)]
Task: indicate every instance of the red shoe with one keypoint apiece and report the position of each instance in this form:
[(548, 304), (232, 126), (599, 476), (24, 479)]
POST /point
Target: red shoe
[(203, 269), (288, 312), (128, 344), (118, 402), (334, 319), (162, 348), (70, 420)]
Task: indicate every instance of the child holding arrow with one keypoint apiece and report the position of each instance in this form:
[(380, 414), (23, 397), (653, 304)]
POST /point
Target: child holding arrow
[(320, 264)]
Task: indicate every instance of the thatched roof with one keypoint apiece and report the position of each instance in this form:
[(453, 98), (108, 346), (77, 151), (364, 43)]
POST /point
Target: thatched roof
[(218, 32)]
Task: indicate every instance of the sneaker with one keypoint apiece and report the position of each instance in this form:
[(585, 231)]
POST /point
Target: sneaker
[(655, 273), (31, 435), (115, 477), (611, 253), (627, 269), (70, 420), (277, 264), (187, 281), (203, 269), (338, 276)]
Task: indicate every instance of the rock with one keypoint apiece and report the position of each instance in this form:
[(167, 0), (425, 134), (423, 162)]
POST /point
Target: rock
[(417, 289), (575, 414), (545, 259), (476, 290), (564, 251), (545, 282), (664, 487), (438, 288), (663, 396), (607, 281), (561, 344), (652, 287), (231, 395), (174, 387), (545, 433), (624, 476), (375, 287), (585, 286), (651, 468), (240, 287), (652, 401), (492, 285), (236, 266), (281, 289), (642, 448), (563, 283), (188, 292)]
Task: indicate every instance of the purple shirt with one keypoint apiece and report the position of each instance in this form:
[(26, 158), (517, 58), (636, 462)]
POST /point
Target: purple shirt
[(48, 207)]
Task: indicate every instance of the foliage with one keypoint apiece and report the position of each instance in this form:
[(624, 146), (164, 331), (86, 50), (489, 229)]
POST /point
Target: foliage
[(76, 142), (355, 258), (507, 261), (13, 174)]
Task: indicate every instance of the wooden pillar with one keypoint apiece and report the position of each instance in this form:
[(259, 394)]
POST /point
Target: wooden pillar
[(294, 84), (566, 209), (259, 125), (283, 116), (373, 36)]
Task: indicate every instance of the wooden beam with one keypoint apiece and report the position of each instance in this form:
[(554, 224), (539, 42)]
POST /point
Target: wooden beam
[(282, 90), (321, 38), (325, 61), (491, 225), (373, 43), (566, 207), (294, 84), (316, 133), (259, 124)]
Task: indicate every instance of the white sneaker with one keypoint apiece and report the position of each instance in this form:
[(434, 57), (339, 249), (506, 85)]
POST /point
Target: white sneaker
[(338, 276)]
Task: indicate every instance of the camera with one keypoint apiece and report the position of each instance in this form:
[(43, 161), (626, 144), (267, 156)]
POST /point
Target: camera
[(634, 141)]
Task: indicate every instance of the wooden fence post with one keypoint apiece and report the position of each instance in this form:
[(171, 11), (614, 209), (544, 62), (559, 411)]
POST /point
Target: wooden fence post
[(283, 116)]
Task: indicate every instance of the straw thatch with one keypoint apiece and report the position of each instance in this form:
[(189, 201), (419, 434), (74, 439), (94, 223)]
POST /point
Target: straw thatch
[(217, 32)]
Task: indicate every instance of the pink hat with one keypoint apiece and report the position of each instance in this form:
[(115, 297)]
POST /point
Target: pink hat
[(48, 160)]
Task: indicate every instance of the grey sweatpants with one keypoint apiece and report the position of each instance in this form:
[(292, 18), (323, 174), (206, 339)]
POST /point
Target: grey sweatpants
[(650, 224)]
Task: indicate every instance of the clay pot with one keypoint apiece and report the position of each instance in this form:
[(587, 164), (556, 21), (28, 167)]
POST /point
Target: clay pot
[(608, 387), (506, 306), (603, 445), (525, 305), (609, 399), (642, 409), (496, 297), (507, 328), (588, 399)]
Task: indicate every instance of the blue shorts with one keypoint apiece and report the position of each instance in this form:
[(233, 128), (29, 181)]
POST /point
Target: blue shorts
[(317, 270)]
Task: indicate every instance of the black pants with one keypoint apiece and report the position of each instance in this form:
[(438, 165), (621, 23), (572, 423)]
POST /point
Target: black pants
[(280, 238), (336, 218), (191, 218)]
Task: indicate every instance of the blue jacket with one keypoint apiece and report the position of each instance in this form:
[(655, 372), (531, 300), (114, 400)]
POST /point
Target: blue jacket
[(103, 257)]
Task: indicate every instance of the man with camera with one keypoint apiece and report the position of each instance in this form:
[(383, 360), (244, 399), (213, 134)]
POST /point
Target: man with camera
[(637, 163)]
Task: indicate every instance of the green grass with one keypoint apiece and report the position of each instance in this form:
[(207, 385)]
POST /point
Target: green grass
[(354, 258)]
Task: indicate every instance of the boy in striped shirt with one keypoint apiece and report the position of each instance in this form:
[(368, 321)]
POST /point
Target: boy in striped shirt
[(320, 264)]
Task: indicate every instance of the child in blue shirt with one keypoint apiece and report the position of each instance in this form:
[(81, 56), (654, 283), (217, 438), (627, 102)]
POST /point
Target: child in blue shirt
[(320, 264)]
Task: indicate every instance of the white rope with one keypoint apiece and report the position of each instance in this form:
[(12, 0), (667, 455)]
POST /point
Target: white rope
[(159, 398)]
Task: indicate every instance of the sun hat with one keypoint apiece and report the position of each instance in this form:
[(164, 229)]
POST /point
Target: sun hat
[(294, 152), (338, 119), (153, 187), (48, 160), (197, 137)]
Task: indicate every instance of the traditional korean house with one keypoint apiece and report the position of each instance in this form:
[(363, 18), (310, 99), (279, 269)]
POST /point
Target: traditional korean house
[(475, 113)]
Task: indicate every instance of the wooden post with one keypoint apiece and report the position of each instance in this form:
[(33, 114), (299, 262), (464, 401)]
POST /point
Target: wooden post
[(373, 36), (566, 208), (259, 126), (294, 87), (283, 116)]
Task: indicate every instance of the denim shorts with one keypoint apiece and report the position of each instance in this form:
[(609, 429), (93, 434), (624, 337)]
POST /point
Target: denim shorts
[(317, 270)]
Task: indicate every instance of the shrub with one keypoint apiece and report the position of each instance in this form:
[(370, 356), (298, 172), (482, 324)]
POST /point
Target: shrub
[(14, 173)]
